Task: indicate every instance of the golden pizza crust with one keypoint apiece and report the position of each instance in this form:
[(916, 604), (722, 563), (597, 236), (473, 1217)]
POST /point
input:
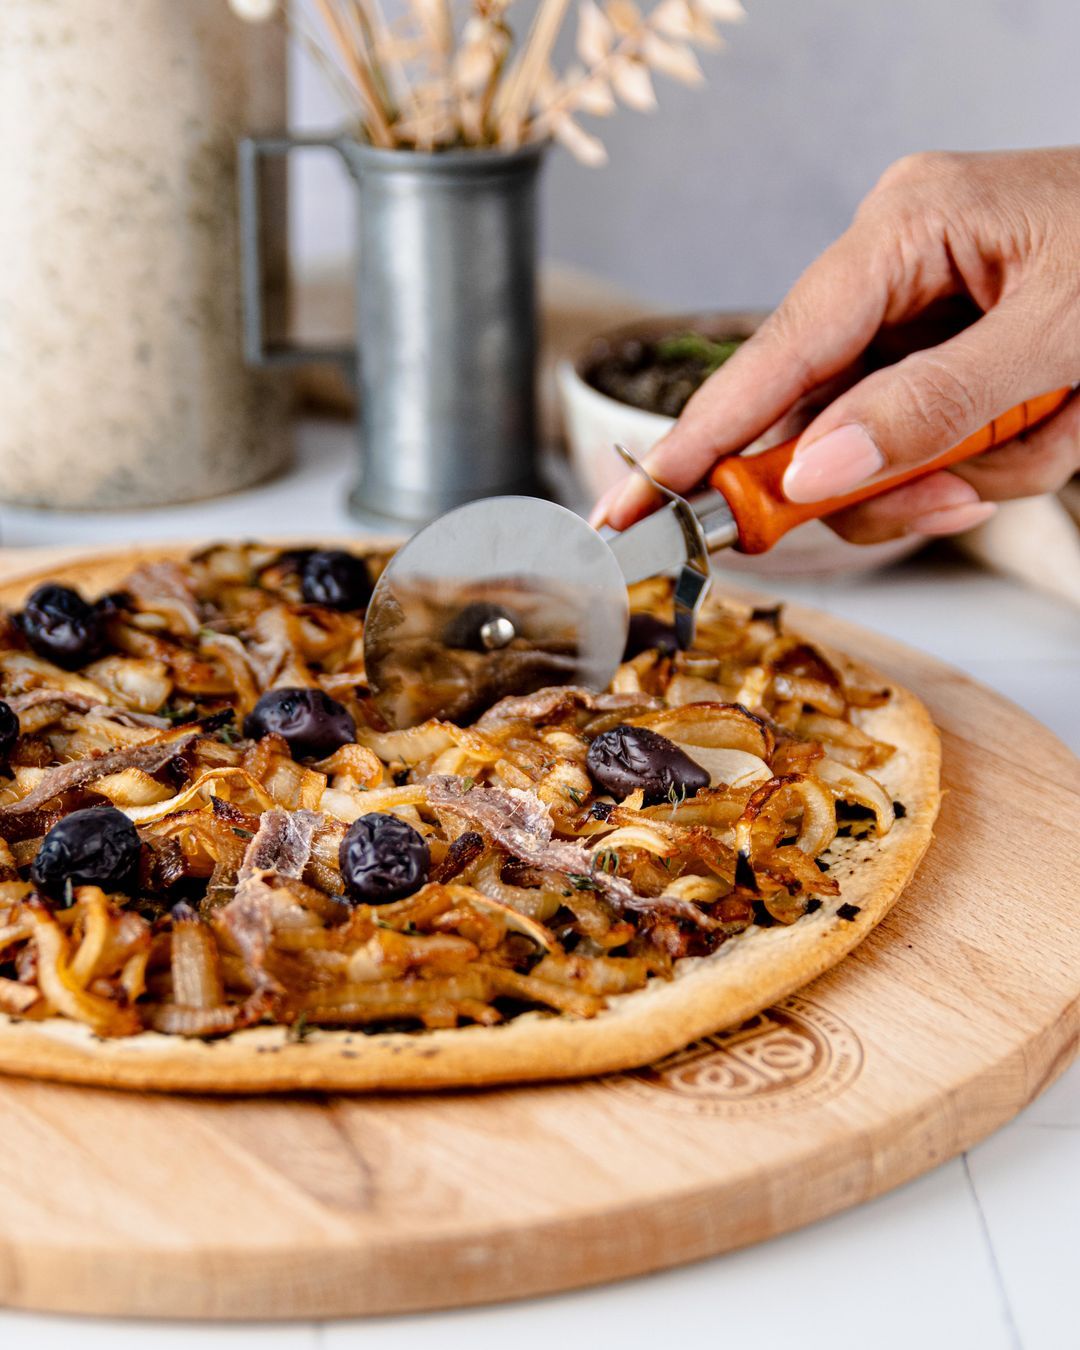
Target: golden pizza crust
[(748, 973)]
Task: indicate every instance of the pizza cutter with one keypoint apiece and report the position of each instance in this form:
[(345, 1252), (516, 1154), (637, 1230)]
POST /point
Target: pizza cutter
[(508, 595)]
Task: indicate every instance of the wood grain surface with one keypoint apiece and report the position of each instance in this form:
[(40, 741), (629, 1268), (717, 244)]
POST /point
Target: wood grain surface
[(954, 1014)]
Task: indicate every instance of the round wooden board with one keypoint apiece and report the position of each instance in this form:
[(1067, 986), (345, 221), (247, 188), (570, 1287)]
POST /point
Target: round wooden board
[(959, 1009)]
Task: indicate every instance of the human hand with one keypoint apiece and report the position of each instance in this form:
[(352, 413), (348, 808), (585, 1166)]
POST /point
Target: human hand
[(1002, 229)]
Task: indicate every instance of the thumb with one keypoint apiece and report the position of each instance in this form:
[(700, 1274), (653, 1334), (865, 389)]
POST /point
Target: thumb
[(910, 413)]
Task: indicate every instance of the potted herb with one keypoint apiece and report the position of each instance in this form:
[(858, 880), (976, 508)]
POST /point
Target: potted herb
[(661, 374)]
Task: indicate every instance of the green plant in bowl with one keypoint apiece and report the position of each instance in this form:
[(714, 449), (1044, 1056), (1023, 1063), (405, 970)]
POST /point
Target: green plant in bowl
[(659, 374), (696, 347)]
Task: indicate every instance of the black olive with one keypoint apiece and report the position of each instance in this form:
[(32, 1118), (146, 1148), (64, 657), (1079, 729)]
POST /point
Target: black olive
[(290, 559), (463, 631), (313, 723), (95, 847), (108, 606), (382, 858), (625, 759), (62, 627), (335, 579), (9, 733), (646, 631)]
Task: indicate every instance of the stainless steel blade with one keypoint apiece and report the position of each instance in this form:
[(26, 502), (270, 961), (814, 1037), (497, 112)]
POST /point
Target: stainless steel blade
[(502, 596)]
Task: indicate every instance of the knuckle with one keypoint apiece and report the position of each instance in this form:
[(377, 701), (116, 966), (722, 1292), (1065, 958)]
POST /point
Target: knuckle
[(900, 173), (912, 184), (898, 177), (925, 166), (942, 163), (785, 330), (939, 399)]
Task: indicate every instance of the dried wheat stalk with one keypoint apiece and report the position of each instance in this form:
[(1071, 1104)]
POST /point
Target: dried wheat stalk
[(438, 80)]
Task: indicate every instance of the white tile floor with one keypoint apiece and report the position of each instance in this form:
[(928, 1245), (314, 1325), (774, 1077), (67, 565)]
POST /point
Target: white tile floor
[(982, 1253)]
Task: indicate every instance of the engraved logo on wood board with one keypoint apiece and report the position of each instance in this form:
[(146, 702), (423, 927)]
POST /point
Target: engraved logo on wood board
[(793, 1054)]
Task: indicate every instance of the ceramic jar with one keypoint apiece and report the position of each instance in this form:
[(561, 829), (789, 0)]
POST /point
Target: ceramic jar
[(122, 380)]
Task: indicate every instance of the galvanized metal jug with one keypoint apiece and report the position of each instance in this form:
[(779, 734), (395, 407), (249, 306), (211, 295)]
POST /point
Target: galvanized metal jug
[(445, 360)]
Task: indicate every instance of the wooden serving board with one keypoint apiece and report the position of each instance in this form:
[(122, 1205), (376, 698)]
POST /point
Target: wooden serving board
[(952, 1016)]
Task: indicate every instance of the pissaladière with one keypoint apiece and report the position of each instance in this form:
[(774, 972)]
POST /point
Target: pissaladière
[(264, 973)]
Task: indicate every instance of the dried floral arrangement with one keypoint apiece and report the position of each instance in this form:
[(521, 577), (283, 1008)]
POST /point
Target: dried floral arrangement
[(432, 78)]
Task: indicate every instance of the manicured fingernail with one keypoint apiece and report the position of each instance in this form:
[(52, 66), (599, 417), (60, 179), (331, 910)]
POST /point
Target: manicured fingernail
[(598, 515), (952, 519), (833, 465), (616, 503)]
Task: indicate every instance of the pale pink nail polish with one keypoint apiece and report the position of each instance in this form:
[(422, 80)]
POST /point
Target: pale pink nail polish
[(598, 515), (833, 465), (952, 519)]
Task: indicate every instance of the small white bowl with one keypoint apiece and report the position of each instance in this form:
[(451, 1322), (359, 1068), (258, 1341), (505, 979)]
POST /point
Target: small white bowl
[(593, 423)]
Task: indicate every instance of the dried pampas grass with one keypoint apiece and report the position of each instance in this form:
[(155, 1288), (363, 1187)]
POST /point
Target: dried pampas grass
[(437, 79)]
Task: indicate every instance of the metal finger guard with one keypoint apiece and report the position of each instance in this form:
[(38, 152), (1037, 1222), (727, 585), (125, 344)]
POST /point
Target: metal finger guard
[(694, 575)]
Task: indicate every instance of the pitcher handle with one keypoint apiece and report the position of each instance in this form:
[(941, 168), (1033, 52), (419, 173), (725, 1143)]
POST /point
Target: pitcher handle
[(257, 350)]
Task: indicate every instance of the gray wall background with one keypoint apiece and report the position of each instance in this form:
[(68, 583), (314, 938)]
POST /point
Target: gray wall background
[(722, 195)]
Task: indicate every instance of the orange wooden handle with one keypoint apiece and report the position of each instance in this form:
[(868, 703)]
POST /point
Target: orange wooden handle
[(753, 487)]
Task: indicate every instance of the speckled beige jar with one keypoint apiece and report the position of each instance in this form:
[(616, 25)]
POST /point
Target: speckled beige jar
[(121, 376)]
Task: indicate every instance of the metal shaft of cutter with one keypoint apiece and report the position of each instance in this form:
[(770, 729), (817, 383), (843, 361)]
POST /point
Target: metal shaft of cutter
[(659, 543)]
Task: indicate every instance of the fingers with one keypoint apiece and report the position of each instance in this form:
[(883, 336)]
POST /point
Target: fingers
[(912, 412), (1040, 461), (938, 504), (824, 324)]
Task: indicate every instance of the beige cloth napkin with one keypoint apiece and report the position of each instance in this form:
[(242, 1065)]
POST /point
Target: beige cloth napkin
[(1036, 540)]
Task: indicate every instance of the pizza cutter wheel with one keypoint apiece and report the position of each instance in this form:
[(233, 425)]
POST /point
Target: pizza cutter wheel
[(508, 595)]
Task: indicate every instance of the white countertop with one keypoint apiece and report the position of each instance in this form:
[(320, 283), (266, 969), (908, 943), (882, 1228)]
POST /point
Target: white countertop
[(981, 1253)]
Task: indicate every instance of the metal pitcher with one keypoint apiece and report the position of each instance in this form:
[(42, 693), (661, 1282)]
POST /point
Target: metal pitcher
[(445, 358)]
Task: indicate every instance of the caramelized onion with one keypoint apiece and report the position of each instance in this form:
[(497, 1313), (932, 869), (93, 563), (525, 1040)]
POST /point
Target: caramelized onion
[(59, 987), (196, 972), (721, 726), (728, 768), (851, 786), (16, 998), (766, 816)]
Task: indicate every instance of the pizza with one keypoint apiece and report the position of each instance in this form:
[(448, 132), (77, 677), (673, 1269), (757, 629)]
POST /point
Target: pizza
[(221, 871)]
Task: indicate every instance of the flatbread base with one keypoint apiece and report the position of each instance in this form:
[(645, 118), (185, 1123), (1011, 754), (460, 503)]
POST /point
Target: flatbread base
[(708, 994)]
